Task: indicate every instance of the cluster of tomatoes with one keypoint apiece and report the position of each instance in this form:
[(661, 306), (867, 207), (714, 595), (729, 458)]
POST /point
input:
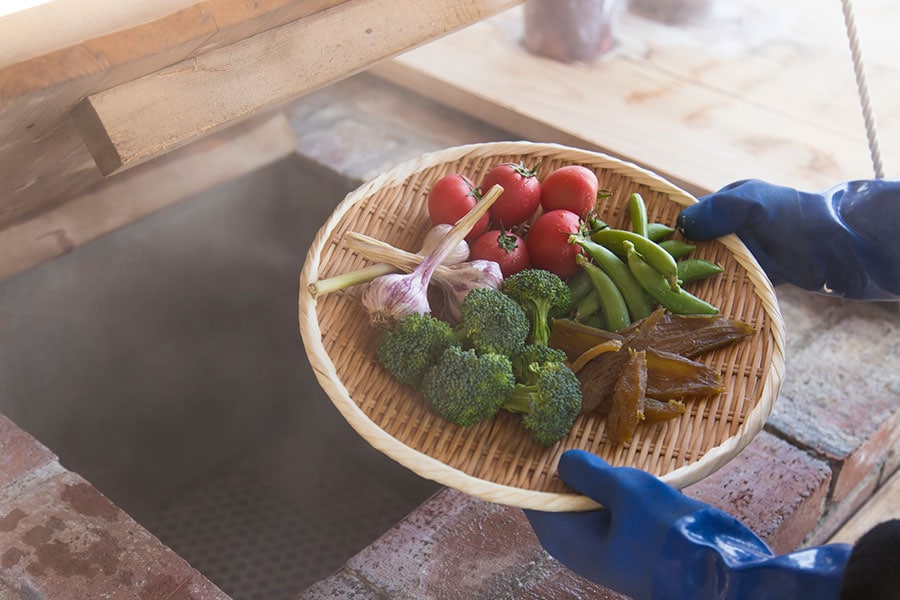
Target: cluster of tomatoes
[(529, 225)]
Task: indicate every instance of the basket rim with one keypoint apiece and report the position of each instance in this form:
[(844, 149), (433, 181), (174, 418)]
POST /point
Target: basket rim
[(431, 468)]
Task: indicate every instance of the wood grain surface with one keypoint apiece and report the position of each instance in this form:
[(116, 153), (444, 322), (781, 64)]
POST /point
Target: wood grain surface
[(758, 88), (66, 51)]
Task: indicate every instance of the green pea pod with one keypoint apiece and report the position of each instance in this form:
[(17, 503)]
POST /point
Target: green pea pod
[(678, 301), (692, 269), (677, 248), (596, 321), (589, 305), (659, 231), (614, 308), (638, 211), (580, 285), (653, 253), (636, 298), (595, 224)]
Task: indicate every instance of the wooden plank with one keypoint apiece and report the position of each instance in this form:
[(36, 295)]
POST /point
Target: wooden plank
[(702, 105), (43, 159), (139, 120), (41, 29), (145, 190), (883, 506)]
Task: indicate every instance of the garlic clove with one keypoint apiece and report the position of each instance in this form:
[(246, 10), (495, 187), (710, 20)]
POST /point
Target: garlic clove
[(458, 254), (389, 298)]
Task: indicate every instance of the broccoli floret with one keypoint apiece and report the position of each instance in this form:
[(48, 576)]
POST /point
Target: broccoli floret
[(534, 354), (492, 322), (413, 345), (549, 402), (465, 387), (542, 294)]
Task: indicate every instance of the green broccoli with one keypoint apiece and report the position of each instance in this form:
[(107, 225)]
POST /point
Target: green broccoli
[(549, 402), (534, 354), (492, 322), (413, 345), (542, 294), (465, 387)]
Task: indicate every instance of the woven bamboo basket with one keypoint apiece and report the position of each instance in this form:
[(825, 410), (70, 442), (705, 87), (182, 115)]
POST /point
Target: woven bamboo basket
[(496, 460)]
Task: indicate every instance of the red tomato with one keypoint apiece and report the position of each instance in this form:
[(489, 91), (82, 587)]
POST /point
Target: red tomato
[(521, 193), (504, 248), (573, 188), (548, 242), (450, 198)]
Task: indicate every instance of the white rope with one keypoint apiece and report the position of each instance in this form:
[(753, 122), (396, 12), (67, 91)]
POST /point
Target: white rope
[(863, 88)]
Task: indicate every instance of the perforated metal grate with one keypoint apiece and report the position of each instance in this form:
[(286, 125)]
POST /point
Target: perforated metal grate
[(260, 536)]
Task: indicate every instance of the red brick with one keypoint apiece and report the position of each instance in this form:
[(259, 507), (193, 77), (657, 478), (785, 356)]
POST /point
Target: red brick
[(775, 489), (20, 453), (454, 546), (868, 458), (343, 585), (838, 512), (560, 583), (62, 539), (840, 396)]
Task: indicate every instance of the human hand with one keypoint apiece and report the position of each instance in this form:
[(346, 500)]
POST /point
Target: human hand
[(842, 242), (618, 545), (650, 541)]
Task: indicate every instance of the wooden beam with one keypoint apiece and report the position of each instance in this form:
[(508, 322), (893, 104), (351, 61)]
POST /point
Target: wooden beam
[(76, 48), (141, 119), (144, 190)]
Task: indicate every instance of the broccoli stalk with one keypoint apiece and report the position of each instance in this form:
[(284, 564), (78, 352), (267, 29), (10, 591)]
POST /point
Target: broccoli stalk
[(464, 387), (542, 294), (549, 401)]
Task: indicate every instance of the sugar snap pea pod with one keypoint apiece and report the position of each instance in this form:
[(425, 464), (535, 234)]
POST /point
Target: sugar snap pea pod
[(653, 253), (580, 285), (693, 269), (596, 320), (677, 248), (678, 301), (589, 305), (595, 224), (614, 307), (636, 298), (659, 231), (638, 212)]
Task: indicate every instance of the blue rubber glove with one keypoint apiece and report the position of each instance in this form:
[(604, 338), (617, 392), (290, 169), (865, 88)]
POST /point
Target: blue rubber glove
[(843, 242), (650, 541)]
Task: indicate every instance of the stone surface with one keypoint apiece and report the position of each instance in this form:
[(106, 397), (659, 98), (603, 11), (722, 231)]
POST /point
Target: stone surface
[(362, 127), (559, 583), (60, 538), (841, 392), (454, 546), (775, 489), (21, 453), (343, 585)]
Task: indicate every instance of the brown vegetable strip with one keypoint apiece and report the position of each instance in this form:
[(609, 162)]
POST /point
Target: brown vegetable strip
[(628, 399)]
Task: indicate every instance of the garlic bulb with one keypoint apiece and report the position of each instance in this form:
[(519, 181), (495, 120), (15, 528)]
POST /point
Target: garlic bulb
[(389, 298), (458, 254), (455, 281)]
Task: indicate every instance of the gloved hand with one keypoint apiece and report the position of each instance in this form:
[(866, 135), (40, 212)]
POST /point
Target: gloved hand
[(842, 242), (650, 541)]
